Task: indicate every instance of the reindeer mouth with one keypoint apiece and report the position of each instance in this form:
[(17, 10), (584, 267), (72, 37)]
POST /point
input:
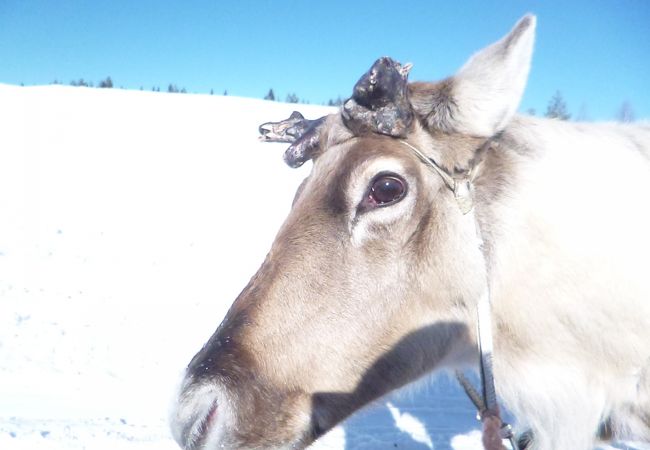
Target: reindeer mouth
[(207, 423), (197, 433), (196, 418)]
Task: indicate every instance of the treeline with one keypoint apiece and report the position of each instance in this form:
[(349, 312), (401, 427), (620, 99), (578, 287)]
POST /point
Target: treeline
[(557, 109), (107, 83), (292, 97)]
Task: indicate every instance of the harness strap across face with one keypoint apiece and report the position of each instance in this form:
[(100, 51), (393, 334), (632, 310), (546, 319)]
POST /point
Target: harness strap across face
[(461, 185), (486, 403)]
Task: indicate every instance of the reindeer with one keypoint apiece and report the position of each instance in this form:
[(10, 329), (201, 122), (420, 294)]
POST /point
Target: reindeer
[(373, 280)]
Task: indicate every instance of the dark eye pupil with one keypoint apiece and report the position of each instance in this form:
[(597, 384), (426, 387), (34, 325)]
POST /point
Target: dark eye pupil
[(387, 189)]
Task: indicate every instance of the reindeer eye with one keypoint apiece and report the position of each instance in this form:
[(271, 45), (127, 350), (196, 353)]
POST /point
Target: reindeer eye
[(387, 189)]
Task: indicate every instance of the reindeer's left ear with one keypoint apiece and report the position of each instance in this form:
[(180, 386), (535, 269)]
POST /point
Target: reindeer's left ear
[(483, 96)]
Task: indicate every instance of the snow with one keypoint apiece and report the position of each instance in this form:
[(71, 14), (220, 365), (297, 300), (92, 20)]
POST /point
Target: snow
[(129, 221)]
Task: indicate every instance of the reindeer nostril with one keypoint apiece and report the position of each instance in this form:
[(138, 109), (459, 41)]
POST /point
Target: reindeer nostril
[(196, 415), (198, 432), (209, 419), (213, 412)]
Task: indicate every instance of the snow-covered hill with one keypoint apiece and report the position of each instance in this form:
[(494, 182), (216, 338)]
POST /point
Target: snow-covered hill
[(129, 221)]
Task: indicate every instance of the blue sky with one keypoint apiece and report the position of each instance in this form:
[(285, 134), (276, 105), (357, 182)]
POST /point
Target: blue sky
[(596, 52)]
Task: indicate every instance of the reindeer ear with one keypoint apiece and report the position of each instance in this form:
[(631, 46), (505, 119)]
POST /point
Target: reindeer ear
[(484, 95)]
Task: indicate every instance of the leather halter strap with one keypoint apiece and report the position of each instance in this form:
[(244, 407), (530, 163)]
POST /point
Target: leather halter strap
[(486, 403), (461, 185)]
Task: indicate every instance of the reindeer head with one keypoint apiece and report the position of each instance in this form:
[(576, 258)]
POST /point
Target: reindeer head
[(372, 279)]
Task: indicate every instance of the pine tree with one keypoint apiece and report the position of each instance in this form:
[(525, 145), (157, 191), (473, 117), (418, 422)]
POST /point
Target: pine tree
[(107, 83), (557, 108), (625, 113), (81, 82), (292, 98), (338, 101), (270, 95)]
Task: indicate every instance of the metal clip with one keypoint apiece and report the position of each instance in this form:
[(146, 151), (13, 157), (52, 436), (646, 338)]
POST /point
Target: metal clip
[(463, 194)]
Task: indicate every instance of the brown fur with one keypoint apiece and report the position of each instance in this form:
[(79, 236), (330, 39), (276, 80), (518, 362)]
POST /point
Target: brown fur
[(307, 263)]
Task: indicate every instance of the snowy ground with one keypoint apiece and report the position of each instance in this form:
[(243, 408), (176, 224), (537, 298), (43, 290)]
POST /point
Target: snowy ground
[(128, 223)]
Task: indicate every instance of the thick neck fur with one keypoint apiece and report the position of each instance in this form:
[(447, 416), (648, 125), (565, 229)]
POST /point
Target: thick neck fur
[(558, 206)]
